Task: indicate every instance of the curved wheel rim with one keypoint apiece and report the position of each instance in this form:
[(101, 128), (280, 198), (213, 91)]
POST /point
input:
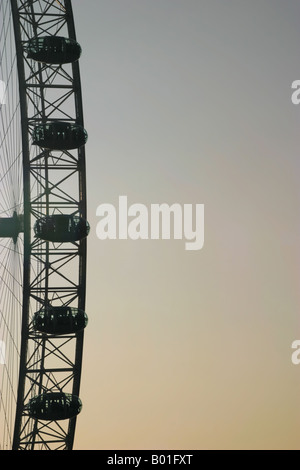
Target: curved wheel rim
[(11, 252)]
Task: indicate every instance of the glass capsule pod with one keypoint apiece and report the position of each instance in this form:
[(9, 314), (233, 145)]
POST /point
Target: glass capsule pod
[(59, 135), (59, 320), (54, 50), (54, 406), (61, 228)]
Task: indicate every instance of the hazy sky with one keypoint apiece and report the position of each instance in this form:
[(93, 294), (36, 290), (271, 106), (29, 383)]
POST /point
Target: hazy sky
[(189, 101)]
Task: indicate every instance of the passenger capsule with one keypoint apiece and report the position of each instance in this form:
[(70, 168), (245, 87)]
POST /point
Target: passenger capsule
[(54, 50), (59, 320), (54, 406), (61, 228), (59, 135)]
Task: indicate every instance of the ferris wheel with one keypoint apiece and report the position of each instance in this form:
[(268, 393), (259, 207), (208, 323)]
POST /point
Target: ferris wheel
[(43, 225)]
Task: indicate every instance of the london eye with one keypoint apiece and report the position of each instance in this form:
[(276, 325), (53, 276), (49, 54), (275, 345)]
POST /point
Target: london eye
[(43, 226)]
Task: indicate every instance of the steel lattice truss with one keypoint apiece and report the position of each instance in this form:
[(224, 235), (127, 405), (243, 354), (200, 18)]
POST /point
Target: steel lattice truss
[(56, 273)]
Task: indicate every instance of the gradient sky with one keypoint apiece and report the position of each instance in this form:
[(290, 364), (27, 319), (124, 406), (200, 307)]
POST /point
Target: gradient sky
[(189, 101)]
